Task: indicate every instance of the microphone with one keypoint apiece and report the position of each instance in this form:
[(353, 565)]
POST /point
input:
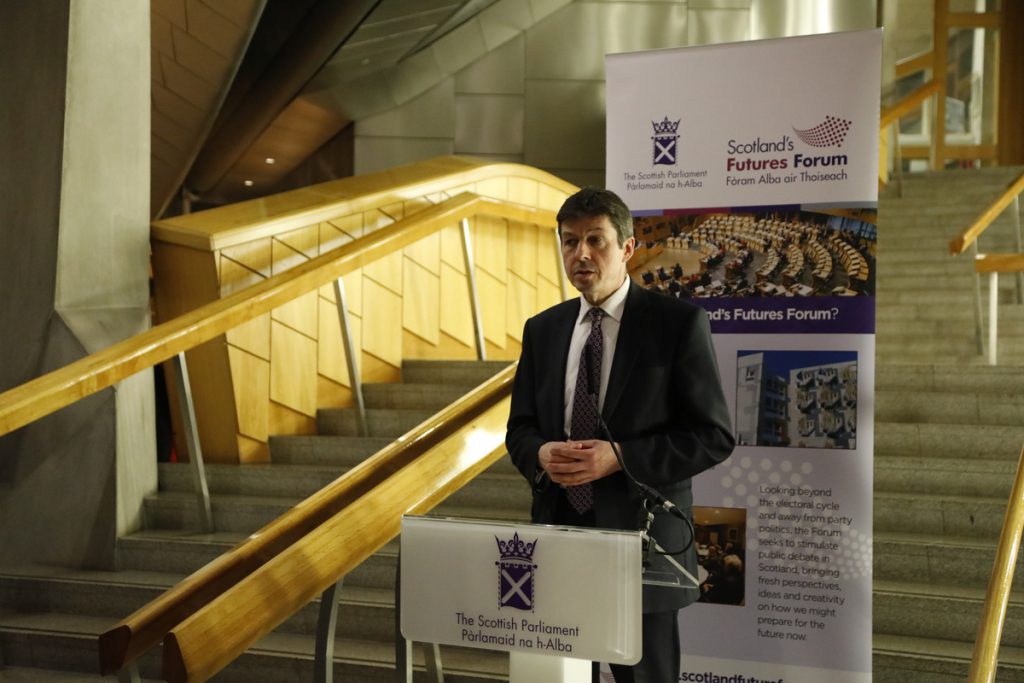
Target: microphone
[(593, 386)]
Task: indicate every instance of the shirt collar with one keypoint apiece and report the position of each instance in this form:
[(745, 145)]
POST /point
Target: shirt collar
[(613, 306)]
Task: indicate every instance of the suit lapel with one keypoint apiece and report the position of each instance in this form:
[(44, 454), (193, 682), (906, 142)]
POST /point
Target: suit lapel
[(560, 340), (629, 343)]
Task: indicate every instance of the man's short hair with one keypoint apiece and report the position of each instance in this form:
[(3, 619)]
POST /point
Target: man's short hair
[(595, 201)]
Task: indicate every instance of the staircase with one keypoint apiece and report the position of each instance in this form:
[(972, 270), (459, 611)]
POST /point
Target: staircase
[(50, 617), (948, 432)]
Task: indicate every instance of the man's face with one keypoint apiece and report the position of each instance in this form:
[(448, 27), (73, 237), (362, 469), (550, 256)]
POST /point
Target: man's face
[(594, 261)]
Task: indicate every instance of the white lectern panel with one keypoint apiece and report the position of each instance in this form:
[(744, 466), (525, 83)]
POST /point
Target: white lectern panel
[(549, 590)]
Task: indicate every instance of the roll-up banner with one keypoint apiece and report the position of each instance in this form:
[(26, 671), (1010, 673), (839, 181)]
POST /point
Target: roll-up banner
[(751, 169)]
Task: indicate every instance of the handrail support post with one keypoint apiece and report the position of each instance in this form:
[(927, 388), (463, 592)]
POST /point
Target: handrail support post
[(897, 158), (323, 659), (993, 312), (403, 647), (1020, 246), (195, 451), (979, 325), (474, 298), (351, 362)]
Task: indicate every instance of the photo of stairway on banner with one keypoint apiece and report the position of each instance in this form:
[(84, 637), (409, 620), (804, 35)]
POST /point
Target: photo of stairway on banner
[(751, 171)]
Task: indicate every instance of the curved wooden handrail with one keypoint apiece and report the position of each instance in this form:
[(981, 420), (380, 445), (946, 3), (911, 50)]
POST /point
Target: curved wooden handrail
[(990, 630), (254, 606), (142, 630), (912, 101), (48, 393), (960, 243), (999, 263)]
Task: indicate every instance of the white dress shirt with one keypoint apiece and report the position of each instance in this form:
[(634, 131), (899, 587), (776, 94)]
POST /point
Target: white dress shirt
[(613, 307)]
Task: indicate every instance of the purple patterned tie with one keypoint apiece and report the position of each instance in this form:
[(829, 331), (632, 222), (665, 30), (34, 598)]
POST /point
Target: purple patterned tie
[(585, 423)]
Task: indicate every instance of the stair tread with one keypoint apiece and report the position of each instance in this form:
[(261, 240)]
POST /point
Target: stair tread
[(927, 590), (936, 648), (455, 660)]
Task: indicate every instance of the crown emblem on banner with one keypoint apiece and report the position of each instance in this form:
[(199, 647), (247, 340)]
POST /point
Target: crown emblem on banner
[(666, 127), (516, 549)]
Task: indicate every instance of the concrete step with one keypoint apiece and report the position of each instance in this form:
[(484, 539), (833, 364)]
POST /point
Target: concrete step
[(255, 479), (365, 613), (380, 422), (982, 380), (338, 451), (238, 514), (903, 474), (909, 330), (936, 560), (939, 514), (67, 642), (182, 553), (906, 659), (965, 442), (939, 612), (460, 372), (342, 452), (997, 407), (418, 396)]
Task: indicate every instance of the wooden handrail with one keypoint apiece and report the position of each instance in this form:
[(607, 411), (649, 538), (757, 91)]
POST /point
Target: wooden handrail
[(215, 635), (142, 630), (990, 630), (915, 63), (912, 101), (960, 243), (46, 394), (999, 263)]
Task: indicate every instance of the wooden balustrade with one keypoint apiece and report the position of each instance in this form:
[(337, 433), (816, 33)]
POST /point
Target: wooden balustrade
[(257, 604), (60, 388), (960, 243), (142, 630)]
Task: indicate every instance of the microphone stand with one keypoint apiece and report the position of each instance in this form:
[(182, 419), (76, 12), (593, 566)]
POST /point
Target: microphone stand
[(651, 498)]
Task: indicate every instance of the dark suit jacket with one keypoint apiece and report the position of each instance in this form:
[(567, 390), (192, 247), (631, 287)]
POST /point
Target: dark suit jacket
[(664, 404)]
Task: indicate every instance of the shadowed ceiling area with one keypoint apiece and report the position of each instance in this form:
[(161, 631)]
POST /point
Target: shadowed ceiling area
[(245, 92)]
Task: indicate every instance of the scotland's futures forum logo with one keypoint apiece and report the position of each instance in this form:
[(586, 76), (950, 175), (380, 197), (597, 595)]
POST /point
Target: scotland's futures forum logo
[(665, 139), (515, 573), (829, 133)]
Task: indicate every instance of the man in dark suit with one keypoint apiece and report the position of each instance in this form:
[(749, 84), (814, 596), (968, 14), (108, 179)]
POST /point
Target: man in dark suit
[(649, 360)]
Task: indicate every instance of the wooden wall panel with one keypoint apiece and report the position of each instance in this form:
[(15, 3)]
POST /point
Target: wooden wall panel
[(382, 322), (293, 374), (331, 363), (522, 303), (426, 253), (490, 246), (456, 316), (421, 304), (451, 248), (387, 272), (492, 307), (252, 391), (284, 420), (305, 240), (522, 250), (254, 255), (270, 375)]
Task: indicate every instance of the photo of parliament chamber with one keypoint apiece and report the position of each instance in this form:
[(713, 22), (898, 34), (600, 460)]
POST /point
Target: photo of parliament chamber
[(756, 255)]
